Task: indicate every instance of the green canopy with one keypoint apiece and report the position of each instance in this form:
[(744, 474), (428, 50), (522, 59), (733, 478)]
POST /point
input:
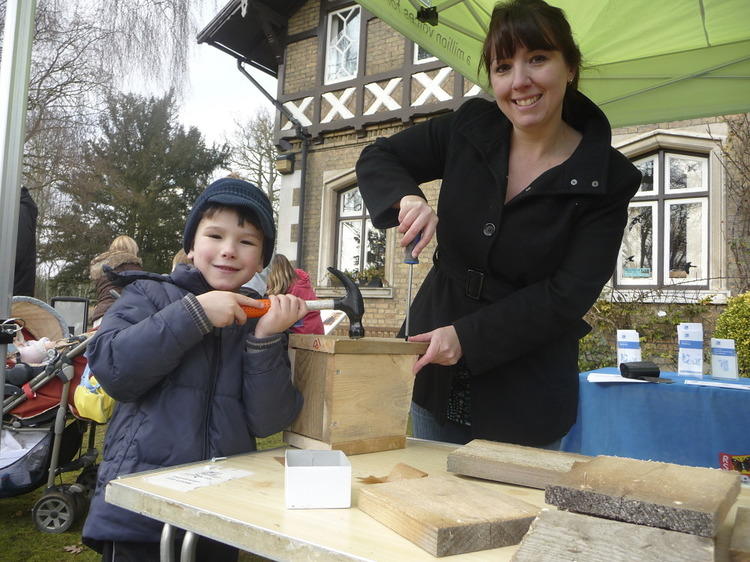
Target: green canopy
[(644, 61)]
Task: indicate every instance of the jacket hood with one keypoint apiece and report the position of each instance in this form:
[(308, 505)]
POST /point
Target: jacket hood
[(113, 259)]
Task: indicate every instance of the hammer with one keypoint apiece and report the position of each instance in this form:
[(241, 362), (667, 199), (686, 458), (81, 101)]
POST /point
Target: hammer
[(351, 303)]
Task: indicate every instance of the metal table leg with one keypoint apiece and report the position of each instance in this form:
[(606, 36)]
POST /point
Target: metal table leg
[(166, 546), (187, 554)]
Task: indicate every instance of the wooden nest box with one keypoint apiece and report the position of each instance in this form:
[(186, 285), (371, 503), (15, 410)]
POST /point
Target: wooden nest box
[(357, 392)]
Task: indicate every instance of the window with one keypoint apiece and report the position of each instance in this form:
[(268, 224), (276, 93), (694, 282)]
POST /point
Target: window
[(666, 238), (360, 247), (342, 45), (421, 55)]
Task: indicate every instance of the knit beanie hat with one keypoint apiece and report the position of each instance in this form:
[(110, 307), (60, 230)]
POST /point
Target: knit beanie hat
[(234, 192)]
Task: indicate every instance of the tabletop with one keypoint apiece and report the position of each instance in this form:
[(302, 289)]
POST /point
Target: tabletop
[(249, 512)]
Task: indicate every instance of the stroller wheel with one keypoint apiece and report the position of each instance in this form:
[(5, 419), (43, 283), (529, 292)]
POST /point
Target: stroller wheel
[(54, 512)]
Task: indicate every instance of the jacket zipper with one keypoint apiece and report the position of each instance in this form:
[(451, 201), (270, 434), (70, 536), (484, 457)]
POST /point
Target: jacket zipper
[(211, 389)]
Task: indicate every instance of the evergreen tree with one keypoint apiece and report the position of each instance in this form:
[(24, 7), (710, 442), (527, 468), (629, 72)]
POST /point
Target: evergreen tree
[(139, 178)]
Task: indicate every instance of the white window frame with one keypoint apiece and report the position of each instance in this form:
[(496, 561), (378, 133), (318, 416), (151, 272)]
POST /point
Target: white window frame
[(703, 140), (687, 191), (704, 203), (651, 281), (416, 58), (328, 49), (334, 182)]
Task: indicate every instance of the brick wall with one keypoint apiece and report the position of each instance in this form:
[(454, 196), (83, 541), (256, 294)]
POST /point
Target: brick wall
[(301, 62), (307, 17), (385, 48)]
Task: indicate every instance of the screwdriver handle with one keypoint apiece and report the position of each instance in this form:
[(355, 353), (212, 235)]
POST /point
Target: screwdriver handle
[(408, 258), (252, 312)]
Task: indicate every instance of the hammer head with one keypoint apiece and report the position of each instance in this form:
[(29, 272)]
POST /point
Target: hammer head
[(351, 303)]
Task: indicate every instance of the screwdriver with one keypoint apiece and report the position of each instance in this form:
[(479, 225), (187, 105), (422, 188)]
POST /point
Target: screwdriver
[(410, 261)]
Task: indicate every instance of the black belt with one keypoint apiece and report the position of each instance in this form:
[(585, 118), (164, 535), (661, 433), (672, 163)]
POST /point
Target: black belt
[(478, 285)]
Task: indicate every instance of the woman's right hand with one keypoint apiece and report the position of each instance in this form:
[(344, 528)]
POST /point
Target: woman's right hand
[(414, 216)]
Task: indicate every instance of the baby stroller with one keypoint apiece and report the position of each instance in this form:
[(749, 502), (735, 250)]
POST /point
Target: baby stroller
[(42, 434)]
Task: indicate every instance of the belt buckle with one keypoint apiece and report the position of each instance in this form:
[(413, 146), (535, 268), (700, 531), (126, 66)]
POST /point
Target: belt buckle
[(474, 283)]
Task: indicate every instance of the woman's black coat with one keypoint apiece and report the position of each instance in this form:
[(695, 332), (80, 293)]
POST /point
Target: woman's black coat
[(514, 279)]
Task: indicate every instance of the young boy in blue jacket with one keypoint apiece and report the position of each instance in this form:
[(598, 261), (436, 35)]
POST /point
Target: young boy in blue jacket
[(193, 377)]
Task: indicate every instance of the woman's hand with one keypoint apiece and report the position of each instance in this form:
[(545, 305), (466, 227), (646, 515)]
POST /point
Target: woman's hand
[(414, 216), (284, 312), (444, 348)]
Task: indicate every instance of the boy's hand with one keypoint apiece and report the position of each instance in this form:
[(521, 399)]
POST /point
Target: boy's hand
[(284, 312), (223, 307)]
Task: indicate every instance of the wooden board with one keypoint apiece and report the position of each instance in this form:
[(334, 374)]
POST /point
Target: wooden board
[(343, 344), (358, 447), (354, 399), (680, 498), (448, 515), (739, 548), (514, 464), (561, 536)]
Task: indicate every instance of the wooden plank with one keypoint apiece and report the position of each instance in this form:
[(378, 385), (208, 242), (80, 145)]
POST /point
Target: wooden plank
[(357, 447), (680, 498), (343, 344), (739, 548), (561, 536), (370, 396), (313, 379), (514, 464), (447, 516)]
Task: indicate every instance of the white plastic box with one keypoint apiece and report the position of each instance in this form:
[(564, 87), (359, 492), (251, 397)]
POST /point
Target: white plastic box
[(317, 479)]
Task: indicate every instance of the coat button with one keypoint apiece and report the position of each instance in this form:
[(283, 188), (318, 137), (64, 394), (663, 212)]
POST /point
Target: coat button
[(488, 229), (574, 182)]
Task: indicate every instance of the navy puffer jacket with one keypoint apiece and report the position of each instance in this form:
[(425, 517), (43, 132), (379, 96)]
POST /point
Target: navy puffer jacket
[(183, 395)]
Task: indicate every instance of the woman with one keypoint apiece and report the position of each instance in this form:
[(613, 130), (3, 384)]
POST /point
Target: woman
[(283, 279), (121, 256), (532, 209)]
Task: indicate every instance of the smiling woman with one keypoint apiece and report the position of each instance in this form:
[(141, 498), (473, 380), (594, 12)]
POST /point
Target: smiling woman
[(531, 212)]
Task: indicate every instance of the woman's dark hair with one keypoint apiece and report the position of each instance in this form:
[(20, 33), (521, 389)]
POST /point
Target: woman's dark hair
[(533, 24)]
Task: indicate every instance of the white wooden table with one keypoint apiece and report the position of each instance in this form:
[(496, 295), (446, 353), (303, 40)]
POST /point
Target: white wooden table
[(249, 512)]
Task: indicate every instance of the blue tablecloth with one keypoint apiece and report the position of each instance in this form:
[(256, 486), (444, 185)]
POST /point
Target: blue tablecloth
[(678, 423)]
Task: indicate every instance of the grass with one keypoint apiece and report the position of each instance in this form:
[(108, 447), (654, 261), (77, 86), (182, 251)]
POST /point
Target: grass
[(21, 540)]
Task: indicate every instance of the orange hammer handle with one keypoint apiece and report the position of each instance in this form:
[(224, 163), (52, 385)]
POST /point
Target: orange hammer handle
[(253, 312)]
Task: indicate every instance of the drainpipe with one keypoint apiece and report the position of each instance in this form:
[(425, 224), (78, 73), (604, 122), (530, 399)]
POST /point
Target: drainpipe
[(304, 137)]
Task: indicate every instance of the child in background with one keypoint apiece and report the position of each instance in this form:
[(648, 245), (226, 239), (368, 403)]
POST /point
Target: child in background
[(193, 377), (286, 280)]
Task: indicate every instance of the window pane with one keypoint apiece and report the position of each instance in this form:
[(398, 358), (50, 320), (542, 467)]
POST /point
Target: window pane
[(342, 51), (422, 55), (350, 236), (646, 166), (375, 249), (638, 244), (686, 172), (351, 204), (686, 242)]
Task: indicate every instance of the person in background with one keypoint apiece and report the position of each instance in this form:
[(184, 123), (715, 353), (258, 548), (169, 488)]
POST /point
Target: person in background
[(194, 378), (180, 258), (24, 275), (283, 279), (532, 209), (121, 256)]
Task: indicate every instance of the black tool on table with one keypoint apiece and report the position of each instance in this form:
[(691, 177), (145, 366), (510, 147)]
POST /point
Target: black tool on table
[(642, 370), (410, 261)]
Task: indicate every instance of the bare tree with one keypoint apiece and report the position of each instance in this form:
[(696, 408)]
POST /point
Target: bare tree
[(253, 152), (736, 152)]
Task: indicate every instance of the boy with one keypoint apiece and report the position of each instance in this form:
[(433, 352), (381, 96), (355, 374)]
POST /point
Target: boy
[(193, 378)]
